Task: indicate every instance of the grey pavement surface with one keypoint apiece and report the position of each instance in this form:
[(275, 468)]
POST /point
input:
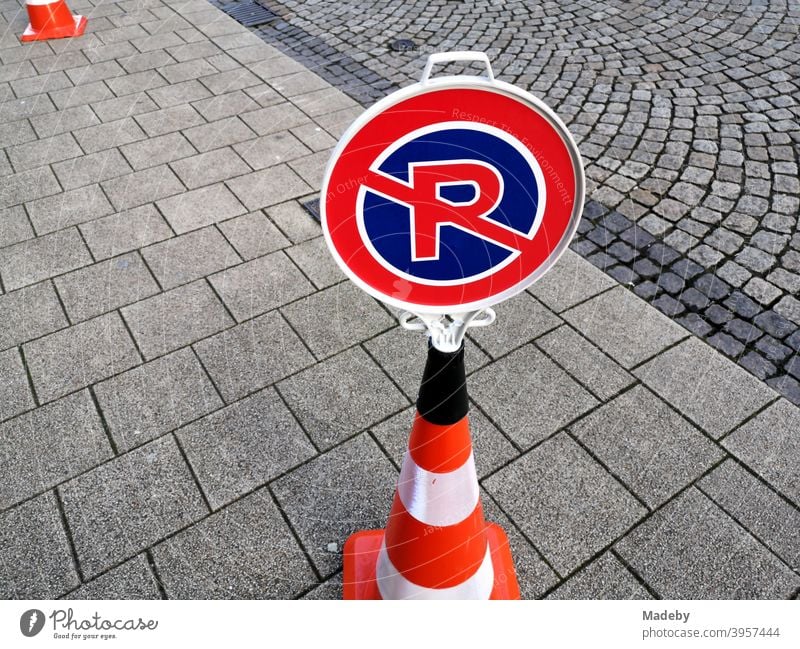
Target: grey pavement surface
[(194, 403)]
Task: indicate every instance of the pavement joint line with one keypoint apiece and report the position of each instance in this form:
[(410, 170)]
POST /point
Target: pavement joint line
[(193, 472), (751, 416), (213, 385), (747, 531), (133, 339), (310, 589), (613, 474), (299, 423), (760, 479), (36, 401), (653, 592), (68, 532), (375, 439), (103, 421), (388, 376), (148, 553), (515, 445)]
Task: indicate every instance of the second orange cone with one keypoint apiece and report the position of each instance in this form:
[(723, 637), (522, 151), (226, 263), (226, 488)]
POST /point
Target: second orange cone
[(436, 544)]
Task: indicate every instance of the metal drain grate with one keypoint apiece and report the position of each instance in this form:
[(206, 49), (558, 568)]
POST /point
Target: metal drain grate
[(250, 14), (312, 207)]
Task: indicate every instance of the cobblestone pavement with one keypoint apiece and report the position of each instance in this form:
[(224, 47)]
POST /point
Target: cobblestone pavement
[(194, 403), (686, 114)]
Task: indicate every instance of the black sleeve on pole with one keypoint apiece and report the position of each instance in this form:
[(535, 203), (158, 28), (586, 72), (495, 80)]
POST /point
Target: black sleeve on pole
[(443, 394)]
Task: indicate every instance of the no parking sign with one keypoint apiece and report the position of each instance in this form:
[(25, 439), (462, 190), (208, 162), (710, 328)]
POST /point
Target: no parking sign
[(452, 194)]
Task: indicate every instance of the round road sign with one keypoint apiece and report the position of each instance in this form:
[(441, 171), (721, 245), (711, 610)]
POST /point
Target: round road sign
[(452, 195)]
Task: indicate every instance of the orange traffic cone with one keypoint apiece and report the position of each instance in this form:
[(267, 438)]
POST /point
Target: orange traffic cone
[(436, 544), (51, 19)]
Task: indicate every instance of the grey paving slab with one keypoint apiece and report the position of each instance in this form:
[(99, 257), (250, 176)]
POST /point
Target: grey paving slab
[(519, 320), (31, 261), (243, 446), (70, 119), (108, 135), (253, 355), (770, 444), (116, 108), (16, 132), (69, 208), (145, 61), (222, 133), (200, 207), (260, 285), (179, 93), (29, 313), (125, 231), (529, 396), (227, 105), (182, 259), (157, 150), (492, 449), (640, 331), (311, 168), (35, 559), (647, 445), (341, 396), (228, 80), (330, 590), (14, 225), (313, 137), (601, 375), (273, 119), (95, 72), (105, 286), (40, 84), (132, 580), (142, 187), (210, 167), (185, 70), (756, 507), (691, 549), (15, 393), (136, 83), (73, 358), (269, 150), (176, 318), (347, 489), (268, 187), (169, 120), (336, 318), (124, 506), (564, 501), (704, 385), (245, 551), (295, 222), (156, 398), (315, 260), (402, 355), (46, 446), (92, 168), (253, 235), (604, 578), (27, 186)]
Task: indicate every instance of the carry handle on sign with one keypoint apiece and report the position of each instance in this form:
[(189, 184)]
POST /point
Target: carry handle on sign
[(453, 57)]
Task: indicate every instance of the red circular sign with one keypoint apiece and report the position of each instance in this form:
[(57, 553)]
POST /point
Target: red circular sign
[(447, 197)]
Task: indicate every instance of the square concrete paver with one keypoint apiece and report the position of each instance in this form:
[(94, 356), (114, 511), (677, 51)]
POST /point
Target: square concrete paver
[(125, 231), (528, 395), (691, 549), (298, 225), (341, 396), (707, 387), (757, 507), (519, 320), (253, 355), (29, 313), (638, 333), (142, 187), (647, 445), (770, 444), (200, 207), (239, 448), (176, 318), (190, 256), (48, 445), (347, 489), (79, 356), (253, 235), (210, 167), (155, 398), (69, 208), (31, 261), (336, 318), (102, 287), (570, 281), (585, 362), (15, 393), (35, 558), (564, 501), (260, 285), (124, 506), (132, 580), (246, 551), (268, 187), (603, 578), (315, 260)]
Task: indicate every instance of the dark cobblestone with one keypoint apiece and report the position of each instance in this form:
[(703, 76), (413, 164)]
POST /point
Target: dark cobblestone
[(728, 345), (742, 305), (774, 324), (694, 323), (747, 332), (773, 349), (668, 305), (758, 365)]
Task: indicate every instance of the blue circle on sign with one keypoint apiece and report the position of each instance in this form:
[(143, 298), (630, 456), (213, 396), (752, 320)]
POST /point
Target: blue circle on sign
[(462, 255)]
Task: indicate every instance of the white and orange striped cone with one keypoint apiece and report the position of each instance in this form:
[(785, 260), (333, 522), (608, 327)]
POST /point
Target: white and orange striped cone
[(51, 19), (436, 544)]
